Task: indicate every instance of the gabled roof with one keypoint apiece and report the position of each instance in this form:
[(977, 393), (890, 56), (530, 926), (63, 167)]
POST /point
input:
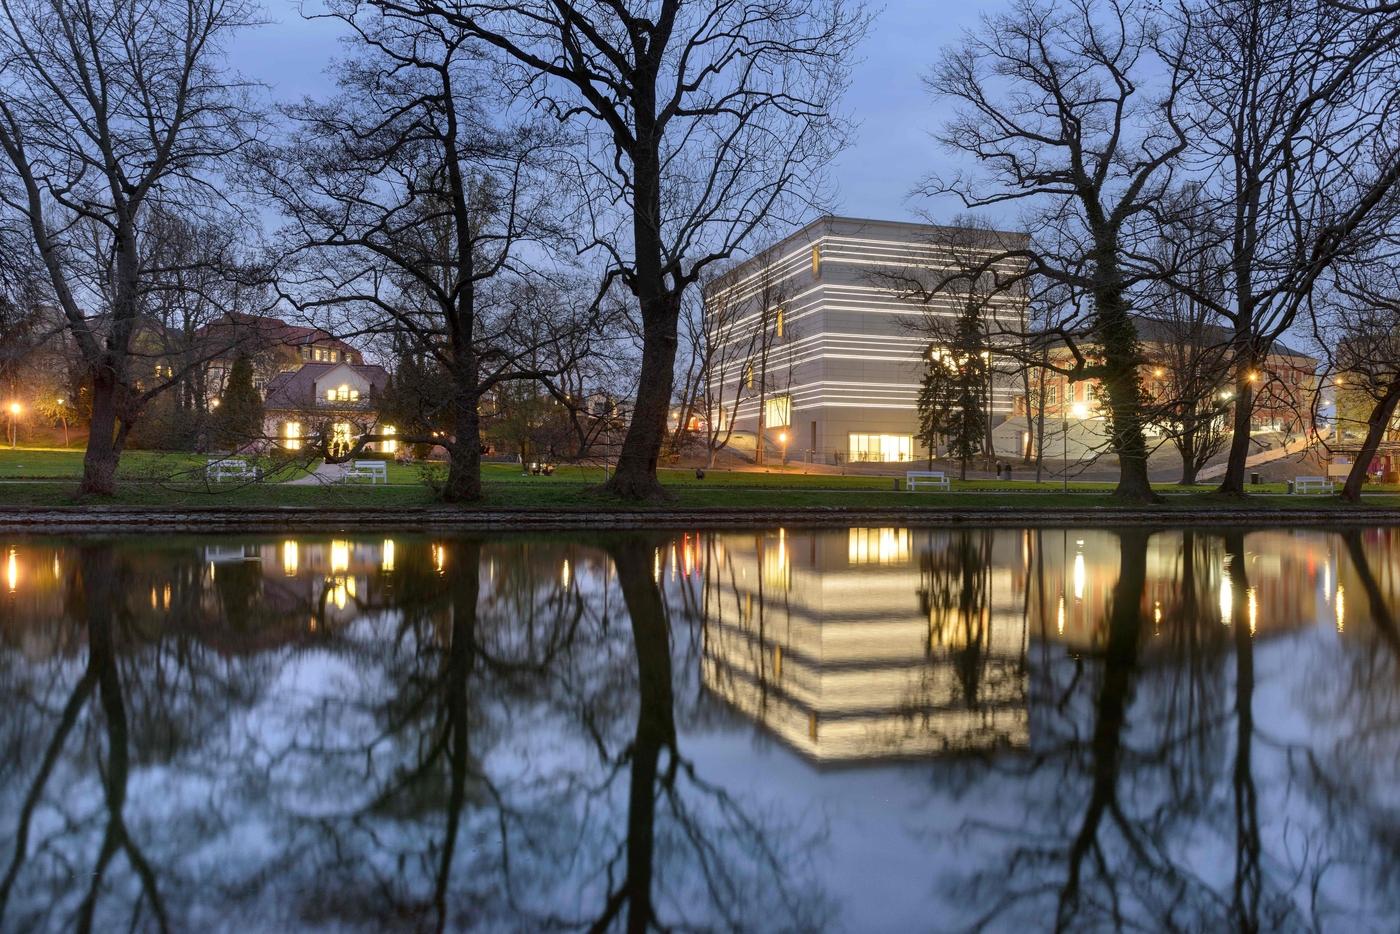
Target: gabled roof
[(257, 331), (1153, 329), (297, 388)]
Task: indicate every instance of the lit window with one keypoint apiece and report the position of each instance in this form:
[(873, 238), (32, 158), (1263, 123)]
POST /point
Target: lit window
[(817, 260), (748, 376), (333, 356), (330, 395), (341, 438), (777, 412), (872, 447), (320, 354), (291, 436), (389, 447), (778, 324), (354, 395)]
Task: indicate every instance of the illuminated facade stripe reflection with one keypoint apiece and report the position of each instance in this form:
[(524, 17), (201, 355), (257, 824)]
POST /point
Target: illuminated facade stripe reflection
[(886, 642)]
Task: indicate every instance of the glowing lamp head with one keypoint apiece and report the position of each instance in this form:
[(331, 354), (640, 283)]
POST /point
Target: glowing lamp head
[(782, 437), (16, 408), (1079, 410)]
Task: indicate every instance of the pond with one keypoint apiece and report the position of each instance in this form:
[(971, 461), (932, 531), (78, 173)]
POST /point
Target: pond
[(864, 729)]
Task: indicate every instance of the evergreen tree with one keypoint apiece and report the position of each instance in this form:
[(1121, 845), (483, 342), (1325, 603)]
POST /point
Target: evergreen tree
[(935, 399), (952, 397), (414, 401), (967, 425), (239, 417)]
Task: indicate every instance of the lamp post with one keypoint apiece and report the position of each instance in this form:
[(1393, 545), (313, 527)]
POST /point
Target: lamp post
[(783, 440), (63, 417), (15, 409)]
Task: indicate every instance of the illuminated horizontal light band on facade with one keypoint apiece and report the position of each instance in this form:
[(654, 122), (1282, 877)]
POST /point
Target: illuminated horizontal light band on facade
[(827, 322)]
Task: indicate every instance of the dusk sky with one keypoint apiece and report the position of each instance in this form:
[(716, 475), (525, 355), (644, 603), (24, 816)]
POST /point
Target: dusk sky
[(892, 148)]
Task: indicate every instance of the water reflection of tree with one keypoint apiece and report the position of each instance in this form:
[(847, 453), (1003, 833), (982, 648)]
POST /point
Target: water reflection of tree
[(75, 732), (724, 866), (1125, 780), (1351, 773), (955, 586)]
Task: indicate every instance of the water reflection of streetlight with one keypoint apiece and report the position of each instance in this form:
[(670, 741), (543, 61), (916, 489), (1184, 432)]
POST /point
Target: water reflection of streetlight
[(386, 561), (12, 570), (340, 556), (290, 558)]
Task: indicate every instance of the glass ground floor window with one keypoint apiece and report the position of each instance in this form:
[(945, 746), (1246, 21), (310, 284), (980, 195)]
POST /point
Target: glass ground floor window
[(342, 436), (866, 447)]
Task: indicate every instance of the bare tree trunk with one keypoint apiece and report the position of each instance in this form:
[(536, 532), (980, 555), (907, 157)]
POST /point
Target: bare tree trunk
[(100, 459), (464, 454), (1188, 456), (1375, 431), (635, 475), (1122, 359), (1233, 481)]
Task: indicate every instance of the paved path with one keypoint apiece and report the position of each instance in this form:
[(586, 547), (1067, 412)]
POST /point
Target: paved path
[(326, 473), (1295, 446)]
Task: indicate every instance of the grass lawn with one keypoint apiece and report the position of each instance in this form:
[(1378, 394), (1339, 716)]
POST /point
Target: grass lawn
[(46, 477)]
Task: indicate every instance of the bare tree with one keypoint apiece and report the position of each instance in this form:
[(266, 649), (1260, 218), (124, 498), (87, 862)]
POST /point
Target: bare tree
[(1292, 114), (108, 108), (1072, 109), (764, 373), (1192, 358), (410, 207), (720, 387), (1362, 336), (703, 121), (972, 302)]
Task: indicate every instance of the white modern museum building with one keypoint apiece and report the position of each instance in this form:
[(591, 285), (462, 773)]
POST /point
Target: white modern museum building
[(821, 333)]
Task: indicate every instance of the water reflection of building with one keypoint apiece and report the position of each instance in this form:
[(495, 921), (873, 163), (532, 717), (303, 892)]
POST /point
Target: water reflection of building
[(335, 577), (1188, 581), (869, 643), (877, 642), (235, 595)]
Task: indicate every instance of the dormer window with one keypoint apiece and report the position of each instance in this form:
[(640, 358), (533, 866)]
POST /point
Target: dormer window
[(342, 393)]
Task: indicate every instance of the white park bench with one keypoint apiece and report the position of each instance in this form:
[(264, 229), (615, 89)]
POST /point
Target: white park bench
[(1313, 485), (229, 468), (936, 479), (373, 471)]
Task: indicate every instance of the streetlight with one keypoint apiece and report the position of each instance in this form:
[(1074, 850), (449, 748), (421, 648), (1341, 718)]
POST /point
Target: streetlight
[(63, 417), (783, 440), (15, 410)]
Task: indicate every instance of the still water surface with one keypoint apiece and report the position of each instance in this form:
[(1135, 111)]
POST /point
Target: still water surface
[(855, 729)]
